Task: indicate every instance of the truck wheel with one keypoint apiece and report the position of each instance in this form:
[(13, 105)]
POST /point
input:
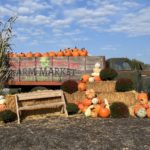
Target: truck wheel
[(38, 88)]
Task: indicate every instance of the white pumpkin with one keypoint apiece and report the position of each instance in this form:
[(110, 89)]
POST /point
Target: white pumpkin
[(97, 65), (1, 97), (95, 101), (91, 79), (2, 101)]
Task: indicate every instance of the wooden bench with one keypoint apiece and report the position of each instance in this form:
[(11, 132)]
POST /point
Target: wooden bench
[(39, 96)]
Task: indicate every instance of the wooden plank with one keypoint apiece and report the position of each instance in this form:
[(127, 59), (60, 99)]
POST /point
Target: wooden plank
[(17, 109), (23, 83), (64, 106), (40, 106), (30, 96)]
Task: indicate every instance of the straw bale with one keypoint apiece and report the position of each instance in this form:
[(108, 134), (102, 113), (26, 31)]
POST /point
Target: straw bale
[(102, 86), (10, 102), (128, 98)]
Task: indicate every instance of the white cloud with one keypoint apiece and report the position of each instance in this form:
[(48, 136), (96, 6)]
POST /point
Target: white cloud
[(61, 23), (130, 4), (5, 12), (136, 24), (24, 10), (62, 2)]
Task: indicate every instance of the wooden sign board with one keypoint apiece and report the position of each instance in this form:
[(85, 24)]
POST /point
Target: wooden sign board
[(53, 68)]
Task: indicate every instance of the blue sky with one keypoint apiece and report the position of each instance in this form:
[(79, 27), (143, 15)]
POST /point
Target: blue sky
[(112, 28)]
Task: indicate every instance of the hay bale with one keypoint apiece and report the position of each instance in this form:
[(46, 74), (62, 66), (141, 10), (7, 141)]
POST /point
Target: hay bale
[(129, 98), (75, 97), (102, 86), (10, 102)]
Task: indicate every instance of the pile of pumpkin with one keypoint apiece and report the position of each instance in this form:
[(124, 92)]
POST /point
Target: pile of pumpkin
[(142, 107), (94, 77), (66, 52), (2, 103), (92, 106)]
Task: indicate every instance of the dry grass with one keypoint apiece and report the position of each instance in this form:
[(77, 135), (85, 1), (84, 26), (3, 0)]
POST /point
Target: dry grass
[(102, 86)]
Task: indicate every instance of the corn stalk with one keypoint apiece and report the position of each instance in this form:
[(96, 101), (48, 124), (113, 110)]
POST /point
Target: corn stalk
[(6, 36)]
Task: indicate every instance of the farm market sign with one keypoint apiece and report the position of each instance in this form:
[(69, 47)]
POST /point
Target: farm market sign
[(52, 68)]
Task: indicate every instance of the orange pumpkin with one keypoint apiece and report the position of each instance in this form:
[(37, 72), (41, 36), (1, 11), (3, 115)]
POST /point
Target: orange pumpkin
[(104, 112), (37, 54), (148, 113), (85, 78), (52, 54), (142, 96), (84, 109), (81, 86), (45, 54), (75, 49), (75, 53), (96, 108), (60, 53), (82, 53), (2, 107), (67, 52), (86, 102), (21, 55), (85, 51), (14, 55), (29, 54), (97, 78), (80, 106)]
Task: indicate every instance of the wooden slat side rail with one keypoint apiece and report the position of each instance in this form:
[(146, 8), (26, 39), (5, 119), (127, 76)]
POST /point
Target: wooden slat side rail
[(40, 106), (41, 95)]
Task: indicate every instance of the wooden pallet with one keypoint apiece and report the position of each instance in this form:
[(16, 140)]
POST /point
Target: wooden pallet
[(39, 96)]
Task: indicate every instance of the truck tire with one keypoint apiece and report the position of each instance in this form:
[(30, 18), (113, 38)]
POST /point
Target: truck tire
[(38, 88)]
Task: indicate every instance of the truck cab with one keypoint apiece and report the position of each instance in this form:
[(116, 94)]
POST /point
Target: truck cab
[(126, 69)]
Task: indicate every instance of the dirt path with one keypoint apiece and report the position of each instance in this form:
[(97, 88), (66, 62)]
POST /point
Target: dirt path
[(59, 133)]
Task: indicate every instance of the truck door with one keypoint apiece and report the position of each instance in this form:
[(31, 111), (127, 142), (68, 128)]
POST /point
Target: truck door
[(125, 70)]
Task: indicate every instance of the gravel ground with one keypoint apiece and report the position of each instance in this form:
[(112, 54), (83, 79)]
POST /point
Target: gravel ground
[(76, 133)]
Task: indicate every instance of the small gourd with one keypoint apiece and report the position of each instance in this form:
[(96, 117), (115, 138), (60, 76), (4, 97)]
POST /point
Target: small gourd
[(141, 113), (91, 79), (95, 101), (2, 101)]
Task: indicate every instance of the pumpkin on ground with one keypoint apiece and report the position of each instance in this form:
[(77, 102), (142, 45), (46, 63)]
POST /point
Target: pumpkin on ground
[(143, 97), (104, 112), (97, 78), (148, 113)]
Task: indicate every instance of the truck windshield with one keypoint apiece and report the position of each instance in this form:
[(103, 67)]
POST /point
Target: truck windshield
[(121, 66)]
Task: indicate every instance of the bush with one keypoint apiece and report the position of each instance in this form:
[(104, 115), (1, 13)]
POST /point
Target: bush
[(70, 86), (124, 84), (108, 74), (119, 110), (8, 116), (72, 108)]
